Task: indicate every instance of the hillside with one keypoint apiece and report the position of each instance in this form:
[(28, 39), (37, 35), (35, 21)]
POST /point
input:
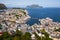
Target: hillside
[(2, 6)]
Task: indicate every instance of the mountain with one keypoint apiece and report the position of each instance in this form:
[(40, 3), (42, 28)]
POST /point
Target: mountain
[(2, 6)]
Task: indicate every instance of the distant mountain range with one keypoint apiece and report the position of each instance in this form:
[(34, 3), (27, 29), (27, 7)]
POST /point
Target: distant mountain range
[(34, 6)]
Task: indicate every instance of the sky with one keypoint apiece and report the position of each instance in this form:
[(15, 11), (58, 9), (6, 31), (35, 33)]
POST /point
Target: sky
[(23, 3)]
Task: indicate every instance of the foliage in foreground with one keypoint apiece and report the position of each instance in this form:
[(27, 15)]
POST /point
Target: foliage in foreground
[(20, 36), (46, 36), (17, 36)]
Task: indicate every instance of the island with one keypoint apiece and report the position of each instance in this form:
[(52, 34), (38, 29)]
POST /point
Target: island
[(34, 6)]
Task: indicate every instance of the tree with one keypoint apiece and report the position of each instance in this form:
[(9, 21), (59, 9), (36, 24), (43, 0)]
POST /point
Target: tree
[(37, 37), (46, 34), (18, 35), (16, 38), (0, 26), (1, 37), (57, 30), (26, 36), (42, 38), (6, 36), (17, 16)]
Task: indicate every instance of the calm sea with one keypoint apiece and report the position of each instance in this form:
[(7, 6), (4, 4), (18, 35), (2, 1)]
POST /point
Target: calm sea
[(39, 13)]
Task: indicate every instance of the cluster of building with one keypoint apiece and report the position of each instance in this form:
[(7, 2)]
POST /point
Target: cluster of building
[(13, 19), (49, 26)]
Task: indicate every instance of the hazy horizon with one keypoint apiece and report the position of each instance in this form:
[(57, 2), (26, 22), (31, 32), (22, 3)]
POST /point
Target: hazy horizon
[(24, 3)]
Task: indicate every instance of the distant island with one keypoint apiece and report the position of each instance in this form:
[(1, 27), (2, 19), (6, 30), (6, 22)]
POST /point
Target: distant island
[(34, 6)]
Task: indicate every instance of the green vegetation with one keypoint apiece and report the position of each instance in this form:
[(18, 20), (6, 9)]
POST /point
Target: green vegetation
[(18, 36), (6, 36), (24, 13), (46, 36), (37, 37), (0, 26), (45, 33), (17, 16), (26, 36), (57, 30)]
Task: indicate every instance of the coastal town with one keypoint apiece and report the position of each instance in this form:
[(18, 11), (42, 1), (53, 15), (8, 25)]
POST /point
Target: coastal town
[(15, 19)]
